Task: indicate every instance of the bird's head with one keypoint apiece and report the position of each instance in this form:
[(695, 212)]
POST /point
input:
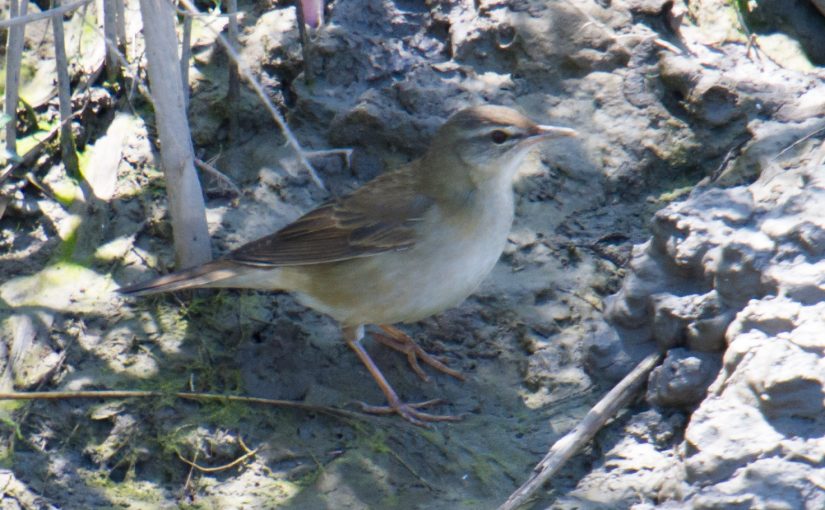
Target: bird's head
[(491, 141)]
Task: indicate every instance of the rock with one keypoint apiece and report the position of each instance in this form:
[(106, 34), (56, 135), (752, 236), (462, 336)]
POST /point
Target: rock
[(682, 379), (612, 351), (743, 268), (765, 411), (766, 483), (695, 318)]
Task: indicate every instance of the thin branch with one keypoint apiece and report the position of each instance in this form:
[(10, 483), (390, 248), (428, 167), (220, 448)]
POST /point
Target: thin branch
[(732, 154), (120, 25), (132, 69), (110, 31), (203, 165), (810, 135), (595, 419), (346, 153), (249, 453), (200, 397), (68, 149), (409, 468), (188, 484), (233, 91), (259, 91), (211, 14), (37, 16), (666, 45), (302, 34), (819, 155), (31, 156), (14, 58)]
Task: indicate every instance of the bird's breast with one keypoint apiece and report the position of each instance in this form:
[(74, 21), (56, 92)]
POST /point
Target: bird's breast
[(453, 253)]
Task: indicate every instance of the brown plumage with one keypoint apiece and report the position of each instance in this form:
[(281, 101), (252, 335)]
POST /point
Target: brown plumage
[(406, 245)]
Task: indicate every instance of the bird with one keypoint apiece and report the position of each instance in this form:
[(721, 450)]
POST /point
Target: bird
[(406, 245)]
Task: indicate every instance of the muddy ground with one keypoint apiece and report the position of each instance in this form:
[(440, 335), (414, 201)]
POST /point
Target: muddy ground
[(666, 95)]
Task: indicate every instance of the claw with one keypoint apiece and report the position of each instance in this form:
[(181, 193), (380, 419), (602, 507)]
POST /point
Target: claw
[(401, 342), (410, 412)]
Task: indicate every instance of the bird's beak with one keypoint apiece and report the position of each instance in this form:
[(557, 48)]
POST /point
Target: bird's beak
[(543, 132)]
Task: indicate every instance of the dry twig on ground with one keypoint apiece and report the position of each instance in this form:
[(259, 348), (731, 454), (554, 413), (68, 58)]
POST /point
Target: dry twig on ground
[(200, 397), (593, 421)]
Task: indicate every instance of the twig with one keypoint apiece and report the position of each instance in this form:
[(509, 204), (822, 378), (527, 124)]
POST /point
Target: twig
[(136, 84), (819, 155), (14, 58), (233, 87), (346, 153), (409, 468), (110, 31), (801, 140), (249, 453), (201, 397), (68, 150), (595, 419), (4, 202), (666, 45), (203, 165), (210, 14), (31, 179), (120, 25), (732, 154), (752, 43), (259, 91), (29, 157), (37, 16), (188, 484), (302, 34)]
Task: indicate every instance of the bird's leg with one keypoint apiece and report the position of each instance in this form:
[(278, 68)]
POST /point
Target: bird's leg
[(401, 342), (409, 412)]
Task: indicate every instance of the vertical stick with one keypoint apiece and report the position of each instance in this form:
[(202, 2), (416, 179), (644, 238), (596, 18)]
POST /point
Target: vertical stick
[(110, 33), (120, 26), (186, 206), (185, 54), (302, 33), (14, 56), (64, 94), (233, 94)]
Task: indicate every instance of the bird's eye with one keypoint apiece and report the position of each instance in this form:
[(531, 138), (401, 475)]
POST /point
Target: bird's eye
[(499, 137)]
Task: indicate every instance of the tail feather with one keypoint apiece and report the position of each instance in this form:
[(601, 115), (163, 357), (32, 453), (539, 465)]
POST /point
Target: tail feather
[(205, 275)]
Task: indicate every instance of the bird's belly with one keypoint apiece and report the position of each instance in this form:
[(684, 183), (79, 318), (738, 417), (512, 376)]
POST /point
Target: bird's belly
[(418, 289), (436, 274)]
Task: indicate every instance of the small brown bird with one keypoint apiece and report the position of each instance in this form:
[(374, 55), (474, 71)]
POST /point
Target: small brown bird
[(408, 244)]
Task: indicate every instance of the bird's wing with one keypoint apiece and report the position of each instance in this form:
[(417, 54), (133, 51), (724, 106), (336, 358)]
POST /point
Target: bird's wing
[(376, 218)]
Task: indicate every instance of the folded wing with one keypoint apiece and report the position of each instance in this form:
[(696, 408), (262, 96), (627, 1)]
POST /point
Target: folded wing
[(377, 218)]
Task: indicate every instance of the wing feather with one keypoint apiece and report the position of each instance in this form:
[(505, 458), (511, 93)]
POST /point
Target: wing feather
[(377, 218)]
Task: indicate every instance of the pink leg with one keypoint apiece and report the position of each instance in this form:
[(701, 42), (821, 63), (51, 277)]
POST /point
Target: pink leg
[(409, 412)]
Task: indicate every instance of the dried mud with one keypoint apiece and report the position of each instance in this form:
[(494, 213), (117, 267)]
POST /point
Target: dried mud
[(664, 94)]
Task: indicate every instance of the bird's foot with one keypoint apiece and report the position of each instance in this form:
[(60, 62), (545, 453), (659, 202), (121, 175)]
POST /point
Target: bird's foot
[(396, 339), (410, 412)]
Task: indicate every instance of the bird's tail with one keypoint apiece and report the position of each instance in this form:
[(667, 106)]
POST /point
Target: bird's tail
[(205, 275)]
